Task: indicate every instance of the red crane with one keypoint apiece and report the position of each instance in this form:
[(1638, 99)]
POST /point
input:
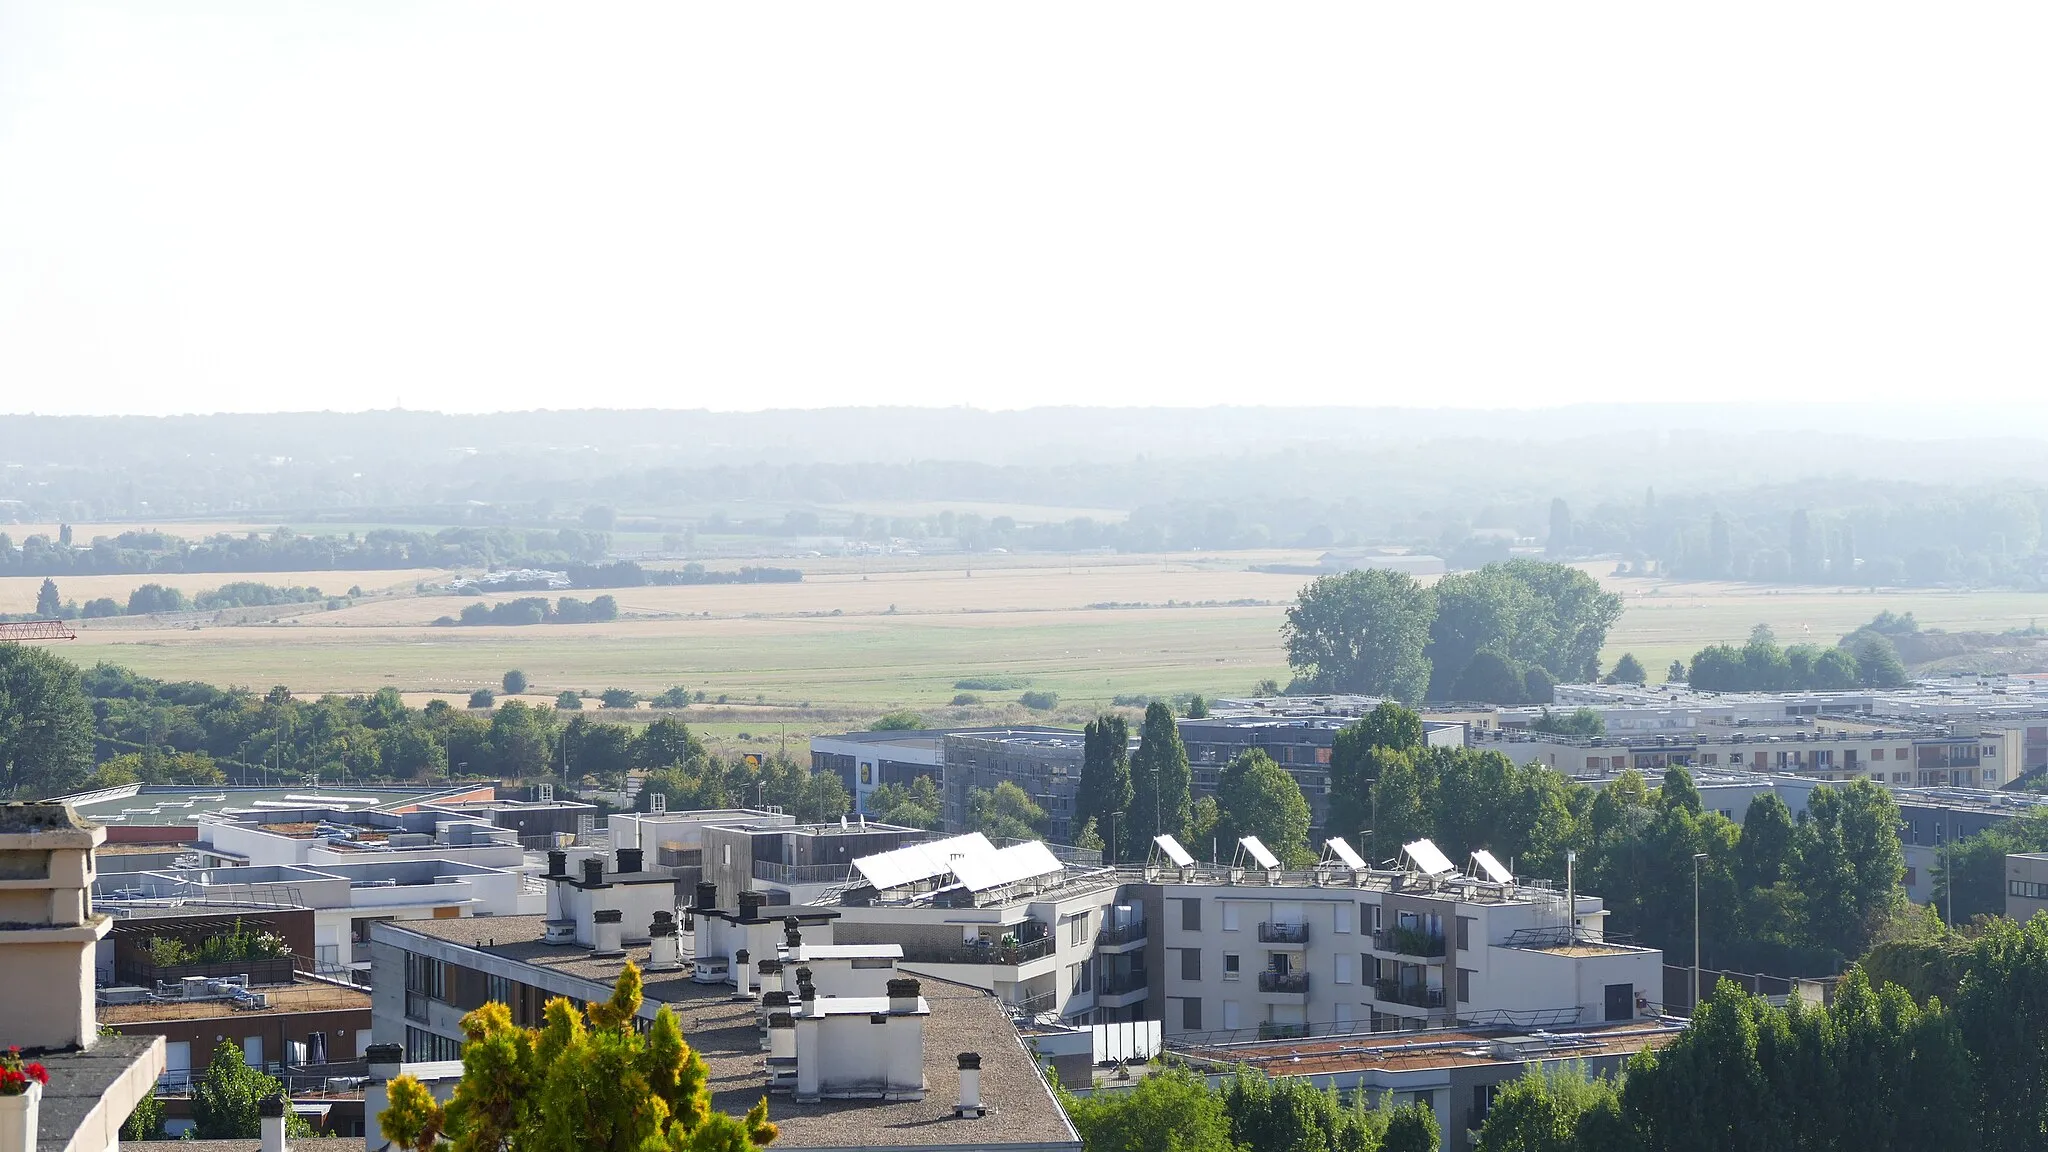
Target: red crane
[(36, 630)]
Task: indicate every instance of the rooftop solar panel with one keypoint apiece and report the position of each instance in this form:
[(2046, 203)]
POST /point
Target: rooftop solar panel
[(1260, 852), (915, 863), (1493, 868), (1012, 865), (1173, 850), (1345, 853), (1428, 857)]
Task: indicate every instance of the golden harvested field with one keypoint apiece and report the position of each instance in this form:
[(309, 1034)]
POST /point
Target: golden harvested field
[(18, 593), (951, 590), (833, 641)]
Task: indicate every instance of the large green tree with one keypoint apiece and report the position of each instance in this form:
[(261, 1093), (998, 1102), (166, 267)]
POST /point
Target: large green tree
[(1005, 812), (1356, 753), (1160, 781), (1256, 797), (1104, 794), (1361, 632), (46, 726), (1172, 1110), (226, 1096)]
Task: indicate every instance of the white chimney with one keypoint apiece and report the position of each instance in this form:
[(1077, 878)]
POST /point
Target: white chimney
[(606, 928), (771, 977), (662, 952), (271, 1113), (970, 1086), (903, 1038), (782, 1036), (742, 973), (810, 1060)]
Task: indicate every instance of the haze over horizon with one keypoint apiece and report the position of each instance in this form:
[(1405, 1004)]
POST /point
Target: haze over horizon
[(250, 207)]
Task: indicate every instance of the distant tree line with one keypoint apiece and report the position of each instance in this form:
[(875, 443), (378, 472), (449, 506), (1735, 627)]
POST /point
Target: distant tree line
[(1176, 1110), (1864, 659), (537, 610), (283, 550), (1506, 634), (156, 599)]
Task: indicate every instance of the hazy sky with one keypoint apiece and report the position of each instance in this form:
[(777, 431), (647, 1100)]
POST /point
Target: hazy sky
[(273, 205)]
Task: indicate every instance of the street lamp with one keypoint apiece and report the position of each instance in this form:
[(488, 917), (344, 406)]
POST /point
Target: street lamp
[(1109, 850), (1696, 858)]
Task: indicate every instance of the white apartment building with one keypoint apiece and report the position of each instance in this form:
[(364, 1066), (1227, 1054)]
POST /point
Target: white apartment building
[(1251, 953), (1985, 754)]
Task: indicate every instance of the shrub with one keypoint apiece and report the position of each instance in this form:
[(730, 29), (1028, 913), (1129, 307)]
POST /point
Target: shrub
[(1040, 701), (992, 683), (901, 720), (966, 698), (482, 698), (619, 698), (569, 701)]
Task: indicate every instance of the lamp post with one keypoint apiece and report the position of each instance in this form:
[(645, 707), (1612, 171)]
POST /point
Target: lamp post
[(1110, 852), (1697, 857)]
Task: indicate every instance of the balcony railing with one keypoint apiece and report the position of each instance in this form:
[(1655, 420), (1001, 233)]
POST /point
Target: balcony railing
[(1120, 984), (1269, 1030), (1120, 934), (1283, 933), (1408, 942), (1413, 995), (1033, 1005), (1290, 982), (990, 952), (793, 874)]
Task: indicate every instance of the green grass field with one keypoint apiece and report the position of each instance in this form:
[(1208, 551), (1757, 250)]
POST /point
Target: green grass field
[(780, 645)]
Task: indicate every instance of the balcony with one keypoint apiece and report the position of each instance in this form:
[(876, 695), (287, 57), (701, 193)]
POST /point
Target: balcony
[(1033, 1005), (1413, 995), (983, 952), (1283, 933), (1119, 935), (1286, 983), (1120, 984), (1408, 942)]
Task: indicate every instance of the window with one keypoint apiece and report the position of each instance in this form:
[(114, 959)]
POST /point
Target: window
[(1191, 964), (1709, 759), (1900, 754), (1191, 1014), (426, 975), (1230, 1015), (1231, 968), (1877, 753), (1464, 985), (1465, 933), (497, 988), (1077, 930), (1344, 1014), (1369, 917), (1191, 915), (1229, 917), (1368, 967), (1343, 968), (2027, 889), (1990, 774), (1596, 763), (1343, 913), (421, 1046)]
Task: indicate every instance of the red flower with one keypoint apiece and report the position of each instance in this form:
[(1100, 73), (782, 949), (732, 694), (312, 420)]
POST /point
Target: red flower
[(41, 1074)]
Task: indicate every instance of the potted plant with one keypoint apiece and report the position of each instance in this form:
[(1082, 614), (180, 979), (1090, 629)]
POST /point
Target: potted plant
[(21, 1095)]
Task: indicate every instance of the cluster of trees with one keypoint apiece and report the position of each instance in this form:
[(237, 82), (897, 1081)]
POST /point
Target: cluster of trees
[(1877, 1069), (1864, 659), (283, 550), (1175, 1110), (1505, 634), (1776, 894), (536, 610), (153, 599), (691, 778), (1133, 797), (586, 1079), (139, 729)]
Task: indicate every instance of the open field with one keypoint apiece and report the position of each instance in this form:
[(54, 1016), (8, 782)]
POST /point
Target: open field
[(859, 636), (18, 593)]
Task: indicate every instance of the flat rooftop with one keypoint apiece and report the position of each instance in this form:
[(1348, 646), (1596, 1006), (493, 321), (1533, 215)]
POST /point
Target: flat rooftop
[(162, 804), (726, 1033), (1416, 1051), (282, 999)]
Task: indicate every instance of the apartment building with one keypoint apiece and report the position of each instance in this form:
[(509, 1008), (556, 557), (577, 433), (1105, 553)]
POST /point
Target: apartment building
[(864, 761), (1255, 951), (1049, 940), (1044, 762), (2026, 884), (1966, 755), (1299, 740), (850, 1052)]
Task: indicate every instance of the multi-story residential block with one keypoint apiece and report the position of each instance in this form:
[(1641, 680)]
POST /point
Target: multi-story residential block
[(849, 1052), (2026, 884), (1044, 762), (1249, 952), (1967, 755), (864, 761)]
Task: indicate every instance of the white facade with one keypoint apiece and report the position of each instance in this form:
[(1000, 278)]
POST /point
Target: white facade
[(1251, 959)]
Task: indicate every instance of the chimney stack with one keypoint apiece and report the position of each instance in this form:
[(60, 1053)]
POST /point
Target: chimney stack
[(593, 871), (750, 905), (558, 865), (386, 1061), (629, 860), (606, 928), (792, 933), (707, 896), (903, 995), (662, 953), (970, 1086), (781, 1036), (771, 977), (270, 1112), (806, 995), (742, 973)]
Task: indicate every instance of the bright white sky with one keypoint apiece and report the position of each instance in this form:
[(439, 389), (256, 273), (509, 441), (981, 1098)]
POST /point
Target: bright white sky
[(272, 205)]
